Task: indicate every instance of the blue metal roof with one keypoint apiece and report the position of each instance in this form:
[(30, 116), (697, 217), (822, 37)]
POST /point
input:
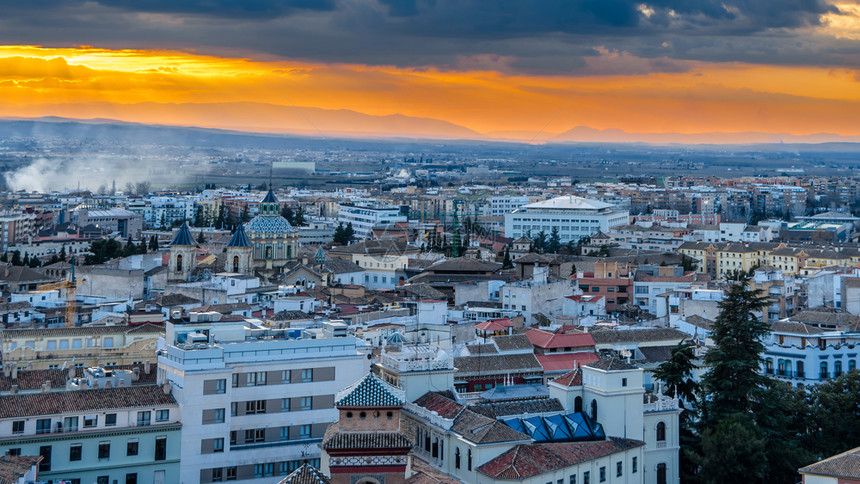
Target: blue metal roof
[(240, 238), (183, 237), (572, 427)]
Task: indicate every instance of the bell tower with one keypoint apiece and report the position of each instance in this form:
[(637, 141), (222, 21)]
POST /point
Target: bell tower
[(239, 253), (366, 445), (182, 255)]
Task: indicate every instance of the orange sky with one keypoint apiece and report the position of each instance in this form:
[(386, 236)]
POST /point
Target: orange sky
[(92, 82)]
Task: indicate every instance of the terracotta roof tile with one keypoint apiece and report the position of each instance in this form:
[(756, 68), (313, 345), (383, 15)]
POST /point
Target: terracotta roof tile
[(529, 460), (55, 403)]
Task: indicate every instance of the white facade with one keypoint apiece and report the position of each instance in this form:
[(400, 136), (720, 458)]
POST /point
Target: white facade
[(363, 219), (574, 216), (503, 204), (257, 401)]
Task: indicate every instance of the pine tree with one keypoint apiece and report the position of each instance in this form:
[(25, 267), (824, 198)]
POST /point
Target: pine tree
[(554, 244), (507, 263), (735, 380), (16, 258), (153, 242), (201, 239), (349, 232), (63, 252)]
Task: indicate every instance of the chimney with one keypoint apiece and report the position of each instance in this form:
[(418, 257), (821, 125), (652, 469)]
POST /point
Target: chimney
[(146, 367), (13, 390), (46, 387), (135, 374), (166, 388), (72, 372), (108, 384), (15, 372)]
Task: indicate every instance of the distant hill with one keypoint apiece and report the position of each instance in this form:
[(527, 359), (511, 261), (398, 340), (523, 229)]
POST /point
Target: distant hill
[(585, 134), (263, 118)]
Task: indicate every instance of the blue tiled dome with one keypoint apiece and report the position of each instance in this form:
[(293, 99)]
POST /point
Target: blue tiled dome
[(269, 224)]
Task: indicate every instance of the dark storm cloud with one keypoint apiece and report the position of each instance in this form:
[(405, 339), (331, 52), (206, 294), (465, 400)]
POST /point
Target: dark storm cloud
[(542, 36)]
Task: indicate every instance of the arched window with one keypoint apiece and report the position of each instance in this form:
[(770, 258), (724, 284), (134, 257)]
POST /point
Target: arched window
[(235, 263), (469, 460), (268, 252), (577, 404), (594, 409), (823, 370), (661, 432), (661, 473), (179, 262), (457, 458)]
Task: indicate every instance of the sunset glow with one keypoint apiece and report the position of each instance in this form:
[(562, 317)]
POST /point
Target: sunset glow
[(490, 94)]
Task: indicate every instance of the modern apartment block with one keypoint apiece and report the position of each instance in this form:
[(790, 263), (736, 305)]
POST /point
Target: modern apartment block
[(117, 435), (256, 400)]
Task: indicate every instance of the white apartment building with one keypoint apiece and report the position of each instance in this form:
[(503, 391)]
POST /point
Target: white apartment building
[(575, 217), (365, 218), (257, 400), (503, 204)]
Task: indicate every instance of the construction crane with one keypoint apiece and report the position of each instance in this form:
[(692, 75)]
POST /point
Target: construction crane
[(70, 287)]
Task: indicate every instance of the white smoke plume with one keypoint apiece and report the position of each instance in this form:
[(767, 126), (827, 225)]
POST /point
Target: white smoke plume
[(89, 172)]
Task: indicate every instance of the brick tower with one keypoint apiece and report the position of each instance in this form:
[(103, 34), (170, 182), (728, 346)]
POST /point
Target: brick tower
[(366, 445)]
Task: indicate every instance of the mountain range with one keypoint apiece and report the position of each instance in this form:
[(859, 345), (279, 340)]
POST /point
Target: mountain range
[(318, 122)]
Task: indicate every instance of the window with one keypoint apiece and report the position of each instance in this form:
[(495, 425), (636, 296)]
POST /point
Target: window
[(594, 409), (131, 447), (15, 451), (18, 427), (285, 433), (103, 480), (131, 478), (264, 470), (218, 445), (624, 382), (586, 477), (160, 448), (307, 375), (305, 432), (104, 450), (108, 342), (43, 426), (837, 369), (221, 386), (572, 479), (164, 415), (633, 465), (255, 406), (307, 403), (285, 376), (257, 378), (217, 474), (661, 432), (91, 421), (618, 469), (255, 435), (235, 380), (457, 458), (75, 452), (469, 460), (110, 420), (218, 415), (603, 474), (661, 473), (143, 418), (231, 473), (285, 404), (823, 369), (45, 452)]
